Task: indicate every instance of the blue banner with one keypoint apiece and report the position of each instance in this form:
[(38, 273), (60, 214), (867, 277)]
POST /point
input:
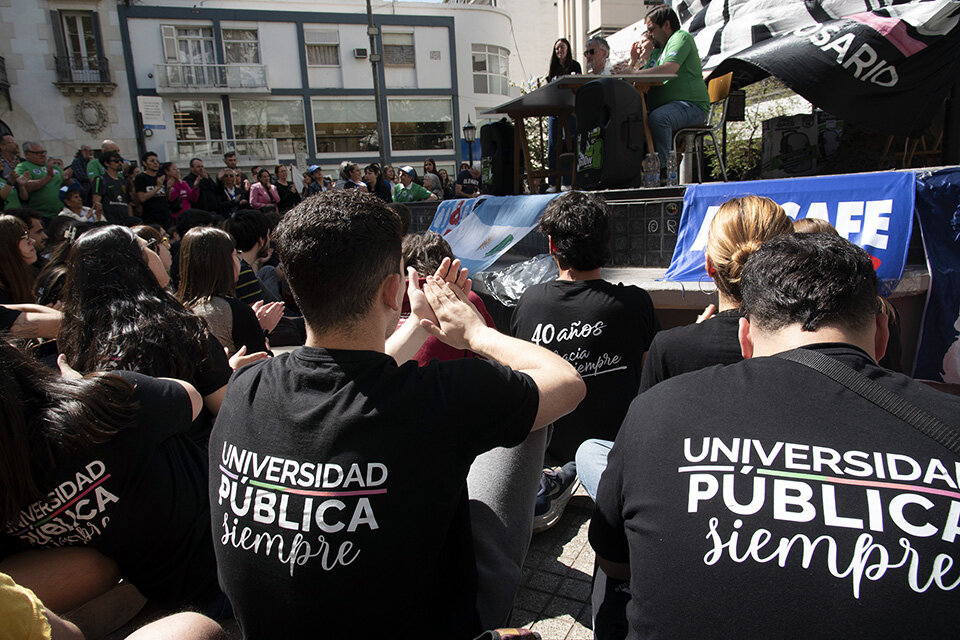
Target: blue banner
[(873, 210), (482, 229), (938, 207)]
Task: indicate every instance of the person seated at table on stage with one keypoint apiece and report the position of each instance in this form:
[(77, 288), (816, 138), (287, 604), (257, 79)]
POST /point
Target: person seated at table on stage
[(682, 101), (597, 54)]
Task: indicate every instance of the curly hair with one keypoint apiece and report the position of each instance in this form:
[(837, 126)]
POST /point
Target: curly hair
[(117, 316), (579, 225)]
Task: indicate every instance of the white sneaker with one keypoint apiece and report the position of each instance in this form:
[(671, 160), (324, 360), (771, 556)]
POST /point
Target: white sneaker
[(551, 189)]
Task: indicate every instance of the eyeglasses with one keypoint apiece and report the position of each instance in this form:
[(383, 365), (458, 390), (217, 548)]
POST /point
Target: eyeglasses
[(42, 152), (589, 52), (152, 242)]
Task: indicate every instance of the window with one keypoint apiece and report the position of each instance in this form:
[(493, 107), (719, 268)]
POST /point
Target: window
[(490, 70), (197, 119), (345, 125), (323, 48), (241, 46), (420, 124), (189, 53), (79, 57), (278, 119), (398, 50)]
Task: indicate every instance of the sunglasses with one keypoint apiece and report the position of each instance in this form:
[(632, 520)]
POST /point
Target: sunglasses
[(153, 242), (589, 52)]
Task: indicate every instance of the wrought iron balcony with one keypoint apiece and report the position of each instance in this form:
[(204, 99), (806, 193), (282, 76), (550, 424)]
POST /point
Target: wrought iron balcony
[(83, 75), (207, 78), (249, 151)]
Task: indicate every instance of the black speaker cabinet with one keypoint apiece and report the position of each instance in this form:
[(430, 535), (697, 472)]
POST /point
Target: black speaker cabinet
[(496, 158), (610, 139)]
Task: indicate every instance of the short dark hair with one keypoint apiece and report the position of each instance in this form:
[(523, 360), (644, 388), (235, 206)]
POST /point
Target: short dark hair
[(110, 156), (373, 167), (26, 215), (230, 154), (579, 225), (336, 248), (192, 218), (148, 154), (424, 252), (664, 15), (192, 160), (403, 212), (247, 227), (811, 279)]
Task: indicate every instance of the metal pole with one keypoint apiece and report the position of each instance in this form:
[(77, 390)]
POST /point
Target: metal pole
[(373, 32)]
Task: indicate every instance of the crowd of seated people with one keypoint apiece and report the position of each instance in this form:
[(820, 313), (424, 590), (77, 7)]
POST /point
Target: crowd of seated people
[(290, 416)]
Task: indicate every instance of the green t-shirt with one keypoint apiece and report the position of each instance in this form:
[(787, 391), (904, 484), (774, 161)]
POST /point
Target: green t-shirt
[(689, 84), (413, 193), (46, 200), (95, 169), (13, 198)]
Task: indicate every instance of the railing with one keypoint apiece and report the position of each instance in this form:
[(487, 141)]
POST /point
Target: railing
[(82, 69), (249, 151), (199, 77)]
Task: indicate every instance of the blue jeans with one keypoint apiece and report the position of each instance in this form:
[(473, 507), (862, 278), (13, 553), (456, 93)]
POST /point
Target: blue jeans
[(666, 119), (591, 461), (555, 135)]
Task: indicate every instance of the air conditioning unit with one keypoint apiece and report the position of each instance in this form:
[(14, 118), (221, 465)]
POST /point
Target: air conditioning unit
[(359, 53)]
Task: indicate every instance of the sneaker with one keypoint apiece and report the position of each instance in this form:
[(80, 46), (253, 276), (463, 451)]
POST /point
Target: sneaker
[(551, 189), (557, 485)]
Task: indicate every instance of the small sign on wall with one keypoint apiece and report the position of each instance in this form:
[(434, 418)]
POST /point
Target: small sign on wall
[(151, 112)]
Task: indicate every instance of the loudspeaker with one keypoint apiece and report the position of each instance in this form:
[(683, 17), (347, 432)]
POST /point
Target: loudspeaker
[(610, 139), (737, 106), (496, 158)]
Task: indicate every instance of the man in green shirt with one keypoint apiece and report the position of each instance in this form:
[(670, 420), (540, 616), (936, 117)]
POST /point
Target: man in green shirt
[(682, 101), (45, 180), (408, 190)]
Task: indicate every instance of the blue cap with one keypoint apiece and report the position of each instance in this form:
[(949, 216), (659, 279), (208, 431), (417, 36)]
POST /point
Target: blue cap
[(65, 190)]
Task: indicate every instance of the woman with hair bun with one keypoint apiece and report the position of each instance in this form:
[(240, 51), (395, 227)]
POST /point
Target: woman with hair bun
[(740, 226)]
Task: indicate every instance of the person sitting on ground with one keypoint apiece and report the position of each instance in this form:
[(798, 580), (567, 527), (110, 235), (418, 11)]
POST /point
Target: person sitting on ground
[(180, 194), (72, 198), (158, 242), (375, 185), (604, 330), (95, 463), (788, 497), (209, 267), (468, 182), (351, 177), (343, 408), (187, 220), (117, 315), (408, 190), (289, 198), (17, 253), (29, 321), (263, 192), (110, 192)]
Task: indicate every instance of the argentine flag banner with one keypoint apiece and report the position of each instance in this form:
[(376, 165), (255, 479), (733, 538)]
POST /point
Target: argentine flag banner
[(872, 210), (480, 230)]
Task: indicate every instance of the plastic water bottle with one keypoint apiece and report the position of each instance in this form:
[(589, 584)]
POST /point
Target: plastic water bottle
[(672, 169), (651, 170)]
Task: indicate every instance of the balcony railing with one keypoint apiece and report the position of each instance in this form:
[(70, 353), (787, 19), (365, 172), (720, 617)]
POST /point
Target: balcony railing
[(249, 152), (82, 69), (199, 78)]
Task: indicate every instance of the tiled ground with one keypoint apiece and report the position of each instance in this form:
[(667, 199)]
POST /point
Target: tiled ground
[(554, 597)]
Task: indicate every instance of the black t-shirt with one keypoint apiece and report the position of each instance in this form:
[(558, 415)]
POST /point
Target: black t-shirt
[(468, 184), (246, 331), (288, 196), (381, 190), (338, 490), (762, 499), (692, 347), (7, 318), (600, 328), (156, 210), (113, 197), (139, 498), (207, 198)]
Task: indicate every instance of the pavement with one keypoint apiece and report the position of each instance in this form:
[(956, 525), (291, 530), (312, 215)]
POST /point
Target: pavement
[(553, 600)]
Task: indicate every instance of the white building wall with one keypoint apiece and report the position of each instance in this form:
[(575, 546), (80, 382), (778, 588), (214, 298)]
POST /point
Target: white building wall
[(280, 54), (432, 73), (39, 110)]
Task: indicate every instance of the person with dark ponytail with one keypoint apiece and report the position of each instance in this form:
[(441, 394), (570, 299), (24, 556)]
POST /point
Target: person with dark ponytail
[(99, 480), (117, 315), (561, 64)]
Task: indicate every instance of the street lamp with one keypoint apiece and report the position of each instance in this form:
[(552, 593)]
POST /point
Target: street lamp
[(470, 134)]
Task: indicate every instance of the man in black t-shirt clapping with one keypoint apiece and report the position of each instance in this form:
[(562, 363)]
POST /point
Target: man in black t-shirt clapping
[(151, 192), (468, 182)]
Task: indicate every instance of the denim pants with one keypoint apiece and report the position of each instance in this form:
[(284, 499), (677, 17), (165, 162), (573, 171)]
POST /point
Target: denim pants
[(591, 461), (667, 118)]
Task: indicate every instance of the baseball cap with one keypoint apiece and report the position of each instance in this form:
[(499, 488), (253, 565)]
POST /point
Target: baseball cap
[(65, 191), (312, 168), (410, 171)]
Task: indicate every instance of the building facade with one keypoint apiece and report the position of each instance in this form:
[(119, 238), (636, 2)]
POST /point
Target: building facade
[(288, 82)]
